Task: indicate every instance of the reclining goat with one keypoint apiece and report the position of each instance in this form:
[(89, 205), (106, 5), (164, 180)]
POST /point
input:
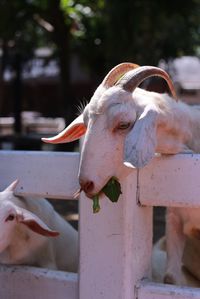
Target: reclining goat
[(26, 237)]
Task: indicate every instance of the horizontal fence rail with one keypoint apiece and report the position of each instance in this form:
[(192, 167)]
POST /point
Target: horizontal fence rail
[(20, 282), (171, 181), (40, 174), (149, 290)]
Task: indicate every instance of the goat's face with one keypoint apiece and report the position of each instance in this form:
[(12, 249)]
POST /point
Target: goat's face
[(120, 131), (12, 215), (107, 126), (7, 213)]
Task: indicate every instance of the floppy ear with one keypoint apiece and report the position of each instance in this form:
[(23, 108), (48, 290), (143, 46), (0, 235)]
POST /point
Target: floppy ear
[(140, 143), (34, 223), (73, 132)]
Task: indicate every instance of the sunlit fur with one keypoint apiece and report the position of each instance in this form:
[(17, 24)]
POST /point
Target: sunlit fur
[(81, 106), (159, 261)]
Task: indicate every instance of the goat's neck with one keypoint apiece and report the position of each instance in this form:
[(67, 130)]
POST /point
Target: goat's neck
[(18, 248), (178, 127), (22, 246)]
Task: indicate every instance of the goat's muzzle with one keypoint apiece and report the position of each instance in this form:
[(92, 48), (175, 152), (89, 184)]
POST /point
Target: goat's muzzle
[(87, 187)]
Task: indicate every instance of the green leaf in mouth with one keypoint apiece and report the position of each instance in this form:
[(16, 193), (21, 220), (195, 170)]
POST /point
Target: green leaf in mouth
[(112, 190), (96, 205)]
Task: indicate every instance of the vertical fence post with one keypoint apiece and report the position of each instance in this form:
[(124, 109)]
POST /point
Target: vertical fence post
[(115, 245), (138, 235)]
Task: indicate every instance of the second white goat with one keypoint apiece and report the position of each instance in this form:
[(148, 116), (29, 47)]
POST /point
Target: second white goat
[(26, 237)]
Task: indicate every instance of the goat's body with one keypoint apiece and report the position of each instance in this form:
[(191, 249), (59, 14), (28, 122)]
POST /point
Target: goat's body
[(181, 223), (178, 131), (159, 261), (178, 127), (30, 248)]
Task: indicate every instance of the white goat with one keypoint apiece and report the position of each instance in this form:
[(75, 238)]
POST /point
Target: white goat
[(124, 126), (25, 232)]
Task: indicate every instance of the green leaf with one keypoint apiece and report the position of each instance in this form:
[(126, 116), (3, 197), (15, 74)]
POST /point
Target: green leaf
[(112, 189), (96, 205)]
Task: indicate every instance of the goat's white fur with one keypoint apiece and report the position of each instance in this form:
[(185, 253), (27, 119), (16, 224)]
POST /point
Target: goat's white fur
[(19, 244), (158, 124), (159, 261)]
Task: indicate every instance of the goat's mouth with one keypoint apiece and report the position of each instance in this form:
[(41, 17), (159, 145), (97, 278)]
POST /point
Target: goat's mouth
[(88, 194), (92, 188), (91, 196), (111, 189), (97, 192)]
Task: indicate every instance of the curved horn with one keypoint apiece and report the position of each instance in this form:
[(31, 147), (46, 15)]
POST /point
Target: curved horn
[(117, 72), (133, 78)]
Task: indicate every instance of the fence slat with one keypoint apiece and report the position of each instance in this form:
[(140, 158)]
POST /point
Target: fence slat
[(171, 181), (115, 245), (41, 174), (160, 291), (20, 282)]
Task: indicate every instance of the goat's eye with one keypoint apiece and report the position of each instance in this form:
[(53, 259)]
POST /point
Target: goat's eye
[(10, 217), (123, 125)]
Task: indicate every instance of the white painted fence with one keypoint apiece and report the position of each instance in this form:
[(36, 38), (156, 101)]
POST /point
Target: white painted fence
[(115, 244)]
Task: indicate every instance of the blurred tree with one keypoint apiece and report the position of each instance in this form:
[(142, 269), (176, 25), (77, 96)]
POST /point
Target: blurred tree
[(63, 25), (103, 33), (52, 17), (17, 37), (27, 25), (90, 39), (146, 31)]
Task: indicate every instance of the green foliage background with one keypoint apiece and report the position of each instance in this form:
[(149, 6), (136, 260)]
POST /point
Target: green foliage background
[(102, 33)]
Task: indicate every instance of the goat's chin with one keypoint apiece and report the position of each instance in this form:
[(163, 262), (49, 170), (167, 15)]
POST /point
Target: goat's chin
[(98, 186), (92, 195), (89, 195)]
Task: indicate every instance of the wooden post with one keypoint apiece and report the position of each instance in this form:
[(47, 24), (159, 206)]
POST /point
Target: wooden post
[(115, 245)]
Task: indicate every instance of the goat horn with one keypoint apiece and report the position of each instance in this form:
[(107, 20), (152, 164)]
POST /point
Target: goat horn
[(117, 72), (133, 78)]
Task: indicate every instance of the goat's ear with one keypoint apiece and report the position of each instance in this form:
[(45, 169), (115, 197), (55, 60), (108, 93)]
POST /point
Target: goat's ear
[(140, 143), (34, 223), (12, 186), (73, 132)]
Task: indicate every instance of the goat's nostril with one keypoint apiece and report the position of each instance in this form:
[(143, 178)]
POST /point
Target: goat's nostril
[(87, 187)]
